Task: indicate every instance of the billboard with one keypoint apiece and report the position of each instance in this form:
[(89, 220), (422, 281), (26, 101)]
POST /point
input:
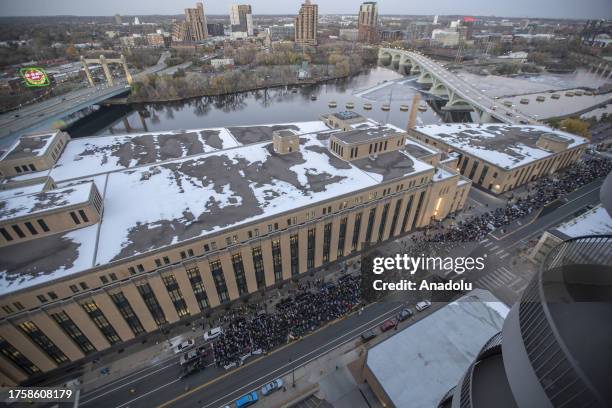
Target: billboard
[(34, 77)]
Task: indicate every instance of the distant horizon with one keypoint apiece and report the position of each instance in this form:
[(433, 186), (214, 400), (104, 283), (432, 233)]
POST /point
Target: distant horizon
[(543, 9), (289, 15)]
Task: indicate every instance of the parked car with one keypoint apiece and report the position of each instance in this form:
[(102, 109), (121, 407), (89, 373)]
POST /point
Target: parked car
[(423, 305), (184, 346), (213, 333), (247, 400), (272, 386), (369, 335), (405, 313), (388, 325)]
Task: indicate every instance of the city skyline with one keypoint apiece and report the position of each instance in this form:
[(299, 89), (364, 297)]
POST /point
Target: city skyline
[(522, 8)]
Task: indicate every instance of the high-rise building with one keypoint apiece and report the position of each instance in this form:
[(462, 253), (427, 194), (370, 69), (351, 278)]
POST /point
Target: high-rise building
[(117, 19), (306, 24), (241, 20), (368, 22), (194, 27)]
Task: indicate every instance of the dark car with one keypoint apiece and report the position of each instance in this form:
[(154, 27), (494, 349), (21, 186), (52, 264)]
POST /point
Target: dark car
[(405, 314), (369, 335), (388, 325)]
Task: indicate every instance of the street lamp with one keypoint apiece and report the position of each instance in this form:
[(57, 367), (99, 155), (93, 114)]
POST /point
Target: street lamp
[(292, 373)]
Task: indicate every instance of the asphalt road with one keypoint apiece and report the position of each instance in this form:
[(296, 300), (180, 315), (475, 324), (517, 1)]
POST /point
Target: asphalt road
[(214, 387), (503, 276)]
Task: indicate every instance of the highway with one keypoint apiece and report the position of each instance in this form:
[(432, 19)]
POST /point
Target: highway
[(467, 91), (43, 114)]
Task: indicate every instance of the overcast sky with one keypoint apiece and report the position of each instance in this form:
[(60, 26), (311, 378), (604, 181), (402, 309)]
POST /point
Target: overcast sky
[(507, 8)]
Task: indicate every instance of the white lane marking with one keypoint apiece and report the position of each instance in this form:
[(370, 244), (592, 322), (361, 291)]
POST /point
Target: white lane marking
[(385, 315), (504, 255)]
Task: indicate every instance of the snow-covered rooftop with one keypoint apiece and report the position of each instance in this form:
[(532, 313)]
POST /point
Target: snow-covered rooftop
[(596, 221), (149, 207), (507, 146), (26, 205), (30, 146), (20, 191)]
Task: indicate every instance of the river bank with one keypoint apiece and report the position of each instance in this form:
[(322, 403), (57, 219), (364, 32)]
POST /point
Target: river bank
[(209, 93)]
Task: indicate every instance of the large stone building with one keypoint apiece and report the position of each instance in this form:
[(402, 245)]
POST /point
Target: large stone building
[(367, 23), (140, 232), (241, 20), (306, 24), (499, 157), (194, 28)]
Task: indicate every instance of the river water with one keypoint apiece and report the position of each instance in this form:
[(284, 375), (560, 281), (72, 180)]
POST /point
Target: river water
[(377, 86)]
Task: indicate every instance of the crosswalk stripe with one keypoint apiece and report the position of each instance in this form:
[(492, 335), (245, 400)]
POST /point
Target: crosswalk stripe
[(504, 255), (484, 240), (507, 275), (500, 251), (503, 268), (494, 248), (485, 284), (488, 244), (497, 280)]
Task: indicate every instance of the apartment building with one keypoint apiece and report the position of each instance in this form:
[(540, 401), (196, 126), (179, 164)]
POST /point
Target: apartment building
[(171, 234), (306, 24), (241, 20), (194, 28), (367, 23)]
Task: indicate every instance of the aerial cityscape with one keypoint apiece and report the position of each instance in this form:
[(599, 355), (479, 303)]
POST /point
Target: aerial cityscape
[(306, 204)]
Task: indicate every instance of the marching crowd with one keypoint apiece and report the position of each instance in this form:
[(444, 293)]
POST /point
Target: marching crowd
[(254, 331), (543, 192), (251, 330)]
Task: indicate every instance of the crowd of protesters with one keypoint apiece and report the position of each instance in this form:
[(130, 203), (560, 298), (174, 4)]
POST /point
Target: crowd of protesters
[(252, 330), (543, 192)]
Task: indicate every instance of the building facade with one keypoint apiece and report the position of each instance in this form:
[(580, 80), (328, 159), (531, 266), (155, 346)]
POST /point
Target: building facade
[(73, 297), (306, 24), (500, 157), (367, 23), (241, 20)]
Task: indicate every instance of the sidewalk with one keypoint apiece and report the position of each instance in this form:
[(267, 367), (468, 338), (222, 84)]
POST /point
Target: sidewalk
[(157, 352)]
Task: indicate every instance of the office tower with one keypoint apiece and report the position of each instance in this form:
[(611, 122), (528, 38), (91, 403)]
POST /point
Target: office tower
[(306, 24), (241, 20), (368, 22)]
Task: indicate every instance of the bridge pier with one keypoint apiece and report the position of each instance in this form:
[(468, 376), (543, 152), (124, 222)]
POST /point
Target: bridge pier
[(107, 73), (87, 71)]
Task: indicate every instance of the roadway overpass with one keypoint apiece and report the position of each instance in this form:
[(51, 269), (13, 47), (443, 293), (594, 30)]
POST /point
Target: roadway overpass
[(40, 116), (460, 94)]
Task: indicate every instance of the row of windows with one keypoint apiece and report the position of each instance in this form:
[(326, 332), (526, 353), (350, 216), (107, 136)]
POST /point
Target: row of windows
[(195, 279), (25, 168), (76, 218), (19, 231), (336, 148), (139, 268), (377, 147)]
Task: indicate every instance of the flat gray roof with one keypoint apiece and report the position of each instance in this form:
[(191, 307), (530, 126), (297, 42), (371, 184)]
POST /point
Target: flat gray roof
[(365, 135), (422, 362)]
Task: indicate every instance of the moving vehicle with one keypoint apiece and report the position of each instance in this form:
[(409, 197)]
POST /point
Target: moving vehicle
[(369, 335), (184, 346), (213, 333), (404, 314), (388, 325), (423, 305), (189, 356), (247, 400), (272, 386)]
